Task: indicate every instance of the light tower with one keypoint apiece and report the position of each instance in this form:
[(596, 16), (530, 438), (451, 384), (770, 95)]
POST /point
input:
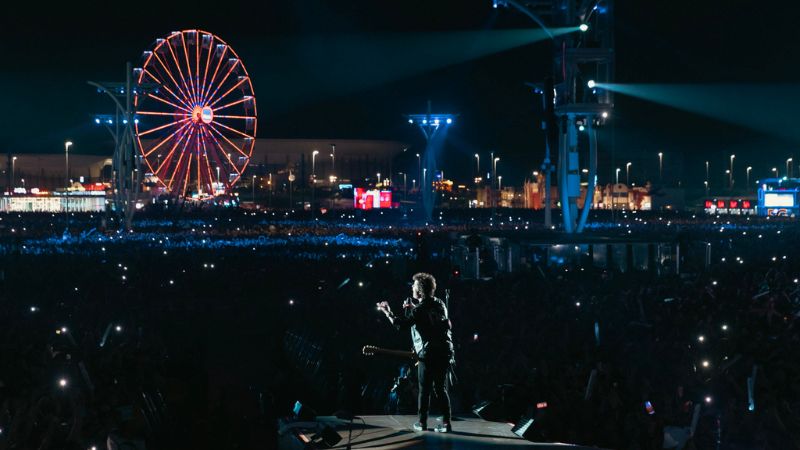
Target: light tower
[(127, 159), (574, 98), (433, 127)]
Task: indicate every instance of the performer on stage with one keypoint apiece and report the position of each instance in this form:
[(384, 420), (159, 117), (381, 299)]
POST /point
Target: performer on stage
[(433, 342)]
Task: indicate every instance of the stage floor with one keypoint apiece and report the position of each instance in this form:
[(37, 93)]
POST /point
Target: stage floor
[(395, 432)]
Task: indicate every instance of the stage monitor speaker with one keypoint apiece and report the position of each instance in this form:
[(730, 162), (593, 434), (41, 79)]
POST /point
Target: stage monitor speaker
[(490, 411), (534, 427)]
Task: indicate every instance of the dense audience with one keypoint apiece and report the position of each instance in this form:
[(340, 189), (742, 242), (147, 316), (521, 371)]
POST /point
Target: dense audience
[(200, 329)]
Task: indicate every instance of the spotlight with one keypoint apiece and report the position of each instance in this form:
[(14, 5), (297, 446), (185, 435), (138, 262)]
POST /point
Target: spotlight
[(581, 128), (591, 84), (411, 121), (584, 27), (449, 121), (62, 382), (424, 121), (605, 114), (97, 121)]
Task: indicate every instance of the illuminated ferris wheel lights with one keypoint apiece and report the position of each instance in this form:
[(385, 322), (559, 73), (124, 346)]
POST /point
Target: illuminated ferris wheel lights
[(207, 112)]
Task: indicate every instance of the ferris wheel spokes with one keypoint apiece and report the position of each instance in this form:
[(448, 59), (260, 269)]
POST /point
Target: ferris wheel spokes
[(202, 76)]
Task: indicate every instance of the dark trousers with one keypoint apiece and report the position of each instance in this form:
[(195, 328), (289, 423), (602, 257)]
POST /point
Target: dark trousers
[(432, 374)]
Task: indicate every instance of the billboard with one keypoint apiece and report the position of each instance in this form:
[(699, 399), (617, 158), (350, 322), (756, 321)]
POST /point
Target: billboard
[(779, 200), (372, 198)]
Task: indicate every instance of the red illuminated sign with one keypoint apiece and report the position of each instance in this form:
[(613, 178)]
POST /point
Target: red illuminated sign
[(709, 204), (368, 199), (734, 204), (720, 203), (746, 204)]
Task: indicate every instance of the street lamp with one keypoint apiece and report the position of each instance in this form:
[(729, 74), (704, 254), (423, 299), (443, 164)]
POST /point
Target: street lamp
[(788, 170), (618, 169), (775, 169), (67, 145), (661, 167), (706, 170), (494, 167), (314, 163), (730, 177), (500, 183), (749, 168), (628, 174), (706, 185), (379, 178), (405, 184), (419, 166), (333, 159), (254, 188), (478, 165), (66, 160), (13, 178)]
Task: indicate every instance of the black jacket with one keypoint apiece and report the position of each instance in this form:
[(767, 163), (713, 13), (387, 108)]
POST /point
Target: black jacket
[(430, 329)]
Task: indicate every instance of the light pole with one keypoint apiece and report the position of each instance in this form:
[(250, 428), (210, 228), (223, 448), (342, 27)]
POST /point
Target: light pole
[(775, 169), (254, 189), (749, 168), (477, 165), (494, 166), (314, 163), (706, 185), (660, 167), (789, 168), (269, 182), (13, 178), (628, 174), (66, 176), (730, 178), (500, 183), (706, 170), (405, 185), (333, 159), (419, 167), (424, 177), (617, 174), (379, 178), (413, 184)]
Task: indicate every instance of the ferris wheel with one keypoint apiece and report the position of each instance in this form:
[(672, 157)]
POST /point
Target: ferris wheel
[(195, 120)]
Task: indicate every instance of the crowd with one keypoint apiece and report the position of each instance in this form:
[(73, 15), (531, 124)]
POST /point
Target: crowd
[(199, 331)]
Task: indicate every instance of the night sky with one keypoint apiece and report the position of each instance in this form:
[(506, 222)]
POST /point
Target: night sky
[(311, 80)]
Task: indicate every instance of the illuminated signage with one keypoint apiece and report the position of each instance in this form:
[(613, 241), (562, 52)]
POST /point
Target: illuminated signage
[(772, 199), (373, 198)]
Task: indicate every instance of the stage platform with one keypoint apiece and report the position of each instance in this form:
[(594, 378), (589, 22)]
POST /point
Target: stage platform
[(395, 432)]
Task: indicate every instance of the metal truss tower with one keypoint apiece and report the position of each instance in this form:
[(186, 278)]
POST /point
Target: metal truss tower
[(575, 104), (126, 160)]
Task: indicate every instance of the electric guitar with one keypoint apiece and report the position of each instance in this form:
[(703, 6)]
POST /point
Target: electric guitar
[(371, 350)]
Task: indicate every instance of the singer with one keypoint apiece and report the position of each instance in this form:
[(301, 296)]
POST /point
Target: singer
[(431, 334)]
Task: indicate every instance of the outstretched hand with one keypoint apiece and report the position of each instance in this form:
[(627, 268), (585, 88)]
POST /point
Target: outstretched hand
[(384, 308)]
